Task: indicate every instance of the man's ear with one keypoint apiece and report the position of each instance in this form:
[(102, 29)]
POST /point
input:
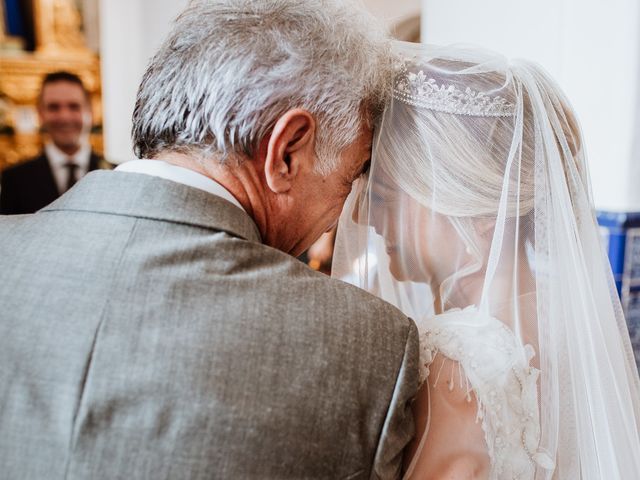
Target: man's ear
[(290, 146)]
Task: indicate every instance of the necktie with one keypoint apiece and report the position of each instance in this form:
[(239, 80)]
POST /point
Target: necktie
[(71, 173)]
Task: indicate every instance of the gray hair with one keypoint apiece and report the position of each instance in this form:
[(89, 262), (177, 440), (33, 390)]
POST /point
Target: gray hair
[(230, 68)]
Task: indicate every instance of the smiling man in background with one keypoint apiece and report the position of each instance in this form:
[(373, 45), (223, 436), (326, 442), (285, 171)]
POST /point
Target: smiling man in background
[(65, 115)]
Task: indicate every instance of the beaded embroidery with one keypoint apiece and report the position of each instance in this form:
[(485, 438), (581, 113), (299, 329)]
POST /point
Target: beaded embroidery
[(497, 369), (418, 90)]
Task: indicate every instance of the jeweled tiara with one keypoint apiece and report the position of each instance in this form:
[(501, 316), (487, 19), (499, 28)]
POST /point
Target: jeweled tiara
[(418, 90)]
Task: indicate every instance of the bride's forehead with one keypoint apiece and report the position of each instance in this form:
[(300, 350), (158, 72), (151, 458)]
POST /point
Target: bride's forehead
[(387, 189)]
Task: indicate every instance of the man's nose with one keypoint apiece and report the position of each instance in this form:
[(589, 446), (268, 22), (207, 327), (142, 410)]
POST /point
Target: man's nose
[(67, 114)]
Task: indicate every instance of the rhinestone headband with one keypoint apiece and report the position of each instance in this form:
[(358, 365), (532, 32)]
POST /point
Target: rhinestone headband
[(418, 90)]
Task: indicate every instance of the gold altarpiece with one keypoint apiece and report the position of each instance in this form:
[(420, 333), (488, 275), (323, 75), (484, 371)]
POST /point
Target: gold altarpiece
[(59, 45)]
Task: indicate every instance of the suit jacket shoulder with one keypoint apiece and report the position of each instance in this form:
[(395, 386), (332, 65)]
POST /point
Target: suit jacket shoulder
[(193, 351), (27, 187), (26, 167)]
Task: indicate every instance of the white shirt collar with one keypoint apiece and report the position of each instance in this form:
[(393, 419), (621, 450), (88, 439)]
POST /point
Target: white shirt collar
[(58, 158), (191, 178)]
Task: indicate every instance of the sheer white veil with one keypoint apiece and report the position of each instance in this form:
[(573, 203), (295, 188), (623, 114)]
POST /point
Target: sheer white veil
[(478, 194)]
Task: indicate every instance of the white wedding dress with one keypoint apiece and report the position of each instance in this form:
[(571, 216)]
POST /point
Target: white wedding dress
[(497, 368)]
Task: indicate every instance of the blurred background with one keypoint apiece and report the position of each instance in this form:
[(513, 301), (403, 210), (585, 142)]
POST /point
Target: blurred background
[(591, 47)]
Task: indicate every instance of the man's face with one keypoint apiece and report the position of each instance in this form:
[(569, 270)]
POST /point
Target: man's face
[(63, 110), (321, 198)]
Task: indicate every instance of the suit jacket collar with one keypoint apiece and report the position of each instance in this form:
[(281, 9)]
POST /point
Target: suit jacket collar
[(46, 183), (145, 196), (58, 158)]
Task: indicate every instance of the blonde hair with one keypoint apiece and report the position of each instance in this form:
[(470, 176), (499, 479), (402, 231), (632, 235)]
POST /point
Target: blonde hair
[(461, 160)]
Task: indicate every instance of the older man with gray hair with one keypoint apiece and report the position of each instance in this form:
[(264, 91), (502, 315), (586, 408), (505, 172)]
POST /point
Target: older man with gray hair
[(154, 323)]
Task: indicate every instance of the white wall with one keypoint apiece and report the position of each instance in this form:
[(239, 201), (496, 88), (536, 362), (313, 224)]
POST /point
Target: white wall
[(591, 47), (393, 10), (130, 32)]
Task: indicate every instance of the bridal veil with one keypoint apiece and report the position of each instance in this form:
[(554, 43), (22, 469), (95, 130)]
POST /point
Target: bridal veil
[(478, 200)]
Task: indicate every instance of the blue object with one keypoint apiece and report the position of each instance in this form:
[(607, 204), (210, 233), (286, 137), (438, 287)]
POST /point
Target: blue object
[(621, 235), (15, 22)]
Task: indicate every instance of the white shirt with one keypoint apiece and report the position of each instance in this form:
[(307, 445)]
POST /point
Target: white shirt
[(158, 168), (58, 159)]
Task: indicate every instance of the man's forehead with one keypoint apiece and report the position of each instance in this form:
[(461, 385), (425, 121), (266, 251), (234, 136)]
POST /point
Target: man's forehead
[(363, 153), (364, 144), (368, 145), (366, 138), (62, 89)]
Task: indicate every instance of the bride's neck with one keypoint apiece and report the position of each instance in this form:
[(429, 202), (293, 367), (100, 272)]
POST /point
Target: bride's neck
[(505, 286)]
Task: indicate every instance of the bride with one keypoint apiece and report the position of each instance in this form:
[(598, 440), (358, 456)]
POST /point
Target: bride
[(476, 220)]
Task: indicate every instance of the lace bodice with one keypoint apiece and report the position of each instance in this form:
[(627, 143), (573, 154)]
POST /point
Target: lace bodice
[(497, 369)]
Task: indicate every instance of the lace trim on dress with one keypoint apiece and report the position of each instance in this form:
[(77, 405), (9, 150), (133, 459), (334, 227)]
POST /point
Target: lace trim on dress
[(497, 369)]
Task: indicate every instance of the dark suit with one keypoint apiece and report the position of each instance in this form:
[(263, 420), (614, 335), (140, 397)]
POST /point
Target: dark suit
[(30, 186)]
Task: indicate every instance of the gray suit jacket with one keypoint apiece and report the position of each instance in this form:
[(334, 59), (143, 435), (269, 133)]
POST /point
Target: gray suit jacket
[(146, 333)]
